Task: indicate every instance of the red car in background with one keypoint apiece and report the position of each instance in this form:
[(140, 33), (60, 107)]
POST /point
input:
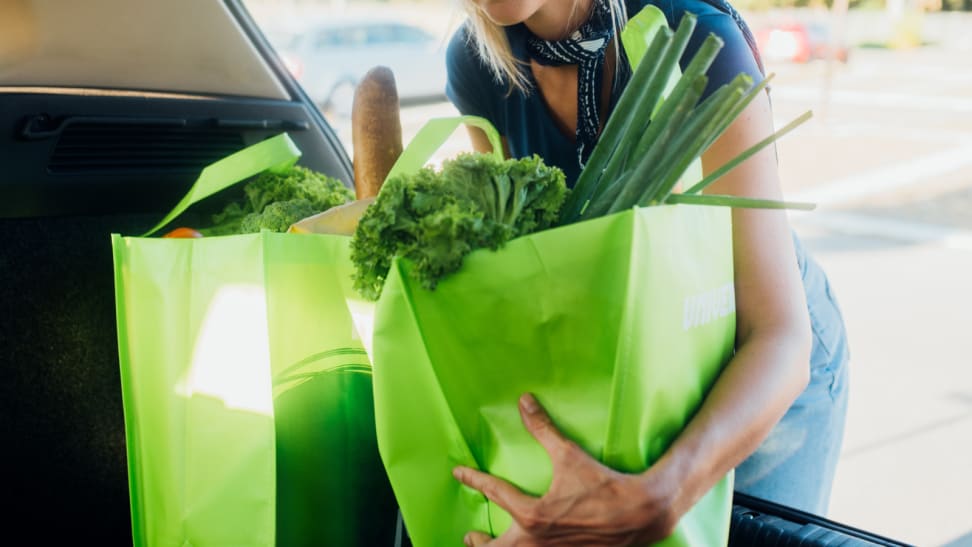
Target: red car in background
[(796, 42)]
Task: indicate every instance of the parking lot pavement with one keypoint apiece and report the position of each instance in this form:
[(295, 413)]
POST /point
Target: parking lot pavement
[(906, 465), (887, 159)]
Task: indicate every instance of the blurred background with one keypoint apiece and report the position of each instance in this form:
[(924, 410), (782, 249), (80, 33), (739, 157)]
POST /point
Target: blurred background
[(886, 157)]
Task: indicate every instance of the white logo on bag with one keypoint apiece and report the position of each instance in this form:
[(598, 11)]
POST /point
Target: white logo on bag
[(704, 308)]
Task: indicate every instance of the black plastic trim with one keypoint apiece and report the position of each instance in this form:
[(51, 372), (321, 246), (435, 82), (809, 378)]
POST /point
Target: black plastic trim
[(35, 181), (757, 522)]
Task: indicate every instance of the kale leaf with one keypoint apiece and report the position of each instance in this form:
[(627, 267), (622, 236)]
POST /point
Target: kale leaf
[(435, 218)]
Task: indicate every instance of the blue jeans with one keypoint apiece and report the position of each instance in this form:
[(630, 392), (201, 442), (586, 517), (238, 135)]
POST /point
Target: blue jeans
[(795, 464)]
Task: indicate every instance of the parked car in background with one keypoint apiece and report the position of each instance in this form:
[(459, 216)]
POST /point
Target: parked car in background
[(797, 42), (329, 57)]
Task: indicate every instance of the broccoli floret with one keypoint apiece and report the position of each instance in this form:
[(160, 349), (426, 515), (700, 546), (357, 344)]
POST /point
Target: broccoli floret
[(275, 200), (227, 221), (277, 216)]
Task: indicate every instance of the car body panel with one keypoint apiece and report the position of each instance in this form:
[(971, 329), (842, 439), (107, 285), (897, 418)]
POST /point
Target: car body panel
[(799, 42)]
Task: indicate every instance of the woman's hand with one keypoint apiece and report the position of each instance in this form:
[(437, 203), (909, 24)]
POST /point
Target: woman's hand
[(587, 503)]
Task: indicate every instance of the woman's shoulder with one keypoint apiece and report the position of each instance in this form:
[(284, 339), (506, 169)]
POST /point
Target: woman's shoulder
[(712, 16), (470, 83), (464, 67), (461, 52), (464, 62), (718, 17)]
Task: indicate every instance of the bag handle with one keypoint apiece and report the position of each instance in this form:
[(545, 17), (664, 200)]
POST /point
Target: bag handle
[(636, 38), (273, 154), (639, 31), (433, 135)]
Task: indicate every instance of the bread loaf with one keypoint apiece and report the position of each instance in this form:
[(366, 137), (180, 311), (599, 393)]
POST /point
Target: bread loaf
[(376, 130)]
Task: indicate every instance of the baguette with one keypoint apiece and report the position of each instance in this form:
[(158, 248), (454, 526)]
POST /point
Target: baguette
[(376, 130)]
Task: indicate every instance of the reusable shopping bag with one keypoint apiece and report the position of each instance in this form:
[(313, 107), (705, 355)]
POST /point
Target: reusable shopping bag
[(619, 325), (247, 393)]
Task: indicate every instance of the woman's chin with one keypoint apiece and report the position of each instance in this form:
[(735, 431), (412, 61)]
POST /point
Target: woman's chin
[(508, 12)]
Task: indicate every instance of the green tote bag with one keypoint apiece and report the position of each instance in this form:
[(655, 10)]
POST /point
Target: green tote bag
[(619, 325), (247, 392)]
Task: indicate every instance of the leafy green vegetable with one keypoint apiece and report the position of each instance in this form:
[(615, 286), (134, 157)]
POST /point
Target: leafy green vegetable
[(277, 216), (275, 200), (434, 219), (649, 142)]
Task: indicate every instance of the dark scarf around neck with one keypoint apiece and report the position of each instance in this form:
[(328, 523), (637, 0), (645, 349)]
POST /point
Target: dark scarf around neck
[(584, 48)]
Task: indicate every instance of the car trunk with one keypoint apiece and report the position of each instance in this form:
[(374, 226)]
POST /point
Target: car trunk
[(107, 143)]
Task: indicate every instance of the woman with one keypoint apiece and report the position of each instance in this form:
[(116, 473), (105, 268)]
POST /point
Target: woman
[(547, 73)]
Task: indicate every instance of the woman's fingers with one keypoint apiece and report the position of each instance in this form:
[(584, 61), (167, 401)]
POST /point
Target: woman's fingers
[(476, 539), (539, 424), (499, 491)]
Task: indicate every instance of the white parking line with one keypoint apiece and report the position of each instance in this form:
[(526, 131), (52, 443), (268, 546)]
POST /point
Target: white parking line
[(894, 229), (877, 99), (907, 132), (900, 175), (891, 177)]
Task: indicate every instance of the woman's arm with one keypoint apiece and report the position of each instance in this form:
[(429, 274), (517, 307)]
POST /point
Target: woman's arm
[(480, 142), (589, 504), (773, 338)]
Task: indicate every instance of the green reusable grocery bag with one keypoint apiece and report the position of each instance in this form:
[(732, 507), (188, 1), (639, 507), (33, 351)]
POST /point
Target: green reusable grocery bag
[(619, 325), (247, 393)]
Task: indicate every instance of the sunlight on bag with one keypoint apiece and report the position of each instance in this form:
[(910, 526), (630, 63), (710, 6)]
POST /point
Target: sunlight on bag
[(247, 393)]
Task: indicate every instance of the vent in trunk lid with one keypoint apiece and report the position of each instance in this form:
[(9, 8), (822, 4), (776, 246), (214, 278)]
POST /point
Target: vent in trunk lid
[(111, 147)]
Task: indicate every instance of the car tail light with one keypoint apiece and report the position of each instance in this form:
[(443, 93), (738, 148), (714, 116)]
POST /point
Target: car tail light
[(783, 44)]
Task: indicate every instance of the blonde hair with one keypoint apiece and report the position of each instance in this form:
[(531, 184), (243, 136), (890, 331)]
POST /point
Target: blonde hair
[(493, 46)]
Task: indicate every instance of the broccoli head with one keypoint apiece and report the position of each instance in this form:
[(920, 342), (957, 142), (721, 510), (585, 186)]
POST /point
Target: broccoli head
[(275, 200), (277, 216)]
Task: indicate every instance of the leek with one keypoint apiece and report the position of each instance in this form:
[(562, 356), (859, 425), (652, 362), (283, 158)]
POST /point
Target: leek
[(649, 142)]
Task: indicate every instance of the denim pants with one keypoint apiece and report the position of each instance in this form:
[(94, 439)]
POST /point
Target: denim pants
[(795, 464)]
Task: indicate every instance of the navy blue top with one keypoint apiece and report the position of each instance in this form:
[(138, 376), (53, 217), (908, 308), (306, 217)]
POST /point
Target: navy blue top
[(525, 120), (529, 129)]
